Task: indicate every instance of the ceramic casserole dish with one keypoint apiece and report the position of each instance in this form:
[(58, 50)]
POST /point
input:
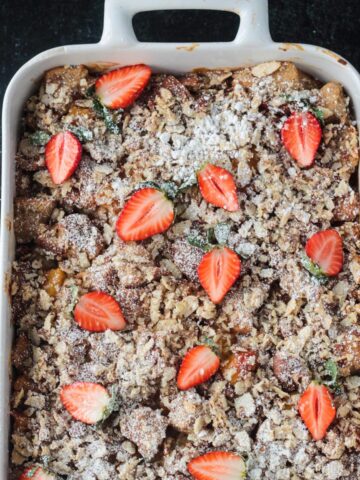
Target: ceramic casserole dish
[(119, 46)]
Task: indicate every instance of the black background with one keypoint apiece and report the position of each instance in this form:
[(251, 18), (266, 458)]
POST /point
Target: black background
[(31, 26)]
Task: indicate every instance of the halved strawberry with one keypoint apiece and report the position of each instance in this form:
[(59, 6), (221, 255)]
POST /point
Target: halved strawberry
[(217, 466), (198, 365), (301, 136), (35, 472), (120, 88), (316, 409), (325, 249), (98, 311), (218, 187), (62, 156), (87, 402), (218, 271), (146, 213)]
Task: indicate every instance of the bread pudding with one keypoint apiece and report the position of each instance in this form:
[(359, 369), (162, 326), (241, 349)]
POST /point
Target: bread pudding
[(186, 286)]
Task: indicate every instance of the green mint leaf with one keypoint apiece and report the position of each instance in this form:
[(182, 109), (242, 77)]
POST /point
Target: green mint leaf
[(30, 473), (148, 184), (314, 269), (332, 371), (45, 460), (222, 232), (106, 115), (331, 374), (39, 138), (196, 240), (319, 114), (209, 342), (113, 406), (82, 133), (74, 291), (90, 92), (170, 189), (210, 235), (189, 182)]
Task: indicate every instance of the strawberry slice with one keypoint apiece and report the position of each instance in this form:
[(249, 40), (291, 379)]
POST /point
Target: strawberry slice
[(120, 88), (35, 472), (325, 249), (62, 156), (217, 466), (316, 409), (301, 136), (87, 402), (199, 364), (98, 311), (218, 271), (146, 213), (218, 187)]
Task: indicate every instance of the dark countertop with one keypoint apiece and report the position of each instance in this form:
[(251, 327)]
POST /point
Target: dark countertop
[(31, 26)]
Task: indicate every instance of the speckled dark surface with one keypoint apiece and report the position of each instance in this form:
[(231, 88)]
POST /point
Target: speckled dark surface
[(31, 26)]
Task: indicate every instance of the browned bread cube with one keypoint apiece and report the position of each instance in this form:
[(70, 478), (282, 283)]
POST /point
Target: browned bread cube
[(332, 97), (21, 352), (347, 351), (67, 75), (289, 76), (30, 214), (146, 428), (289, 370), (73, 235), (60, 86), (347, 209)]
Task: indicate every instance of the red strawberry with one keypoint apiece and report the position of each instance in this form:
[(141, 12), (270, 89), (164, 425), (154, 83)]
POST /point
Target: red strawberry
[(98, 311), (146, 213), (217, 466), (218, 271), (199, 364), (120, 88), (316, 409), (62, 156), (35, 472), (325, 249), (301, 136), (87, 402), (218, 187)]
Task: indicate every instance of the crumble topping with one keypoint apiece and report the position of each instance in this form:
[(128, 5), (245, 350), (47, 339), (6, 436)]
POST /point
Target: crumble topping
[(292, 322)]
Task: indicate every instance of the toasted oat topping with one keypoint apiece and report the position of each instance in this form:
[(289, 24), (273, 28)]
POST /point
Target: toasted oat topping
[(293, 324)]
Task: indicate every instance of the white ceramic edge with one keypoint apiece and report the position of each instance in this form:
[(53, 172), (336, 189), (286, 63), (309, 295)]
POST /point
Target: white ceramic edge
[(119, 46)]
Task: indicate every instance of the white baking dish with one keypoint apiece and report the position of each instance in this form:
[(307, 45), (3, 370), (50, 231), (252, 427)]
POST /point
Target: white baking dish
[(118, 45)]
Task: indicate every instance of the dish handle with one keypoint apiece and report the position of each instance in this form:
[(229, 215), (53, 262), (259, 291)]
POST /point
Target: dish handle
[(254, 20)]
